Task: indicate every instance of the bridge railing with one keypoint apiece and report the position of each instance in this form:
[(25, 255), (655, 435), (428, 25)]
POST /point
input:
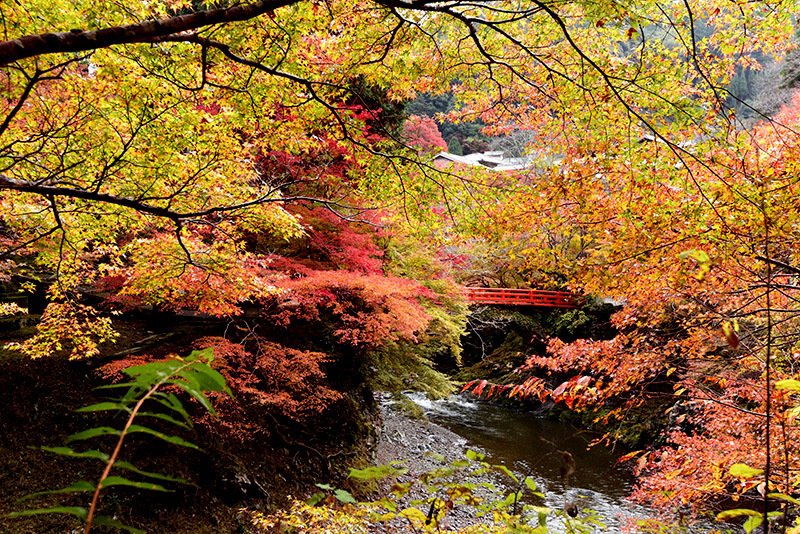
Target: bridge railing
[(522, 297)]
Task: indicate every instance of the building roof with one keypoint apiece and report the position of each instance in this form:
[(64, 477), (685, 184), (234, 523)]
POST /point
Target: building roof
[(491, 160)]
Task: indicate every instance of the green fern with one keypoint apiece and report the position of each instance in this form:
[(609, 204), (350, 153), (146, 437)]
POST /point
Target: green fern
[(192, 374)]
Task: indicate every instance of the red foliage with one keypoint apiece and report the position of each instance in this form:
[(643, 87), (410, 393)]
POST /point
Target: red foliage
[(280, 381), (113, 370), (288, 382), (588, 373), (330, 243), (326, 166), (422, 132), (323, 164), (715, 406), (719, 422), (365, 310), (344, 244), (211, 279)]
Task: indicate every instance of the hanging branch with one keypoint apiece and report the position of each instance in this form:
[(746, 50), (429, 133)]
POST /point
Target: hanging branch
[(767, 364)]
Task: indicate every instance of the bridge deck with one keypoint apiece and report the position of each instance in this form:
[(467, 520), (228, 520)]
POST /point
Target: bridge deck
[(522, 297)]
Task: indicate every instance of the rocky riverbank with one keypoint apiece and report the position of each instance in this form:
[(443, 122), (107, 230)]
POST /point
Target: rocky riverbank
[(419, 444), (579, 483), (411, 439)]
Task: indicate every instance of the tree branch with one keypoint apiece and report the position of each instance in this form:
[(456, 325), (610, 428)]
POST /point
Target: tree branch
[(15, 184), (79, 40)]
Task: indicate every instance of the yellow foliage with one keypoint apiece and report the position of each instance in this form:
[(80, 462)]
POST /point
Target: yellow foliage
[(301, 518), (68, 326)]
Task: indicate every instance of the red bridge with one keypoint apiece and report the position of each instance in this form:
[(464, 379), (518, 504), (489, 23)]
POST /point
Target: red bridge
[(522, 297)]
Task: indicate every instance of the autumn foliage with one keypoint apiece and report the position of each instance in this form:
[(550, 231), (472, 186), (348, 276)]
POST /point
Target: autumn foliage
[(704, 264), (423, 133), (231, 161), (288, 382)]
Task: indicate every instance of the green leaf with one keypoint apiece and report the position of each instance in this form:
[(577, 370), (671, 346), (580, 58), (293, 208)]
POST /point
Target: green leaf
[(71, 510), (413, 514), (435, 456), (506, 471), (474, 456), (790, 384), (77, 487), (697, 255), (542, 512), (784, 497), (66, 451), (385, 503), (175, 440), (203, 355), (103, 406), (401, 489), (106, 521), (752, 523), (122, 481), (736, 512), (153, 372), (172, 402), (118, 385), (164, 417), (209, 379), (344, 496), (511, 498), (376, 472), (191, 387), (530, 483), (158, 476), (744, 471), (326, 487), (93, 433), (315, 499)]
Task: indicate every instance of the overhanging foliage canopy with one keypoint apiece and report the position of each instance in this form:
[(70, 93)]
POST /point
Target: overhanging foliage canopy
[(152, 139)]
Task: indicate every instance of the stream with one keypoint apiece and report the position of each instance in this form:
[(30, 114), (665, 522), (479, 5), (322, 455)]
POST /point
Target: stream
[(528, 444)]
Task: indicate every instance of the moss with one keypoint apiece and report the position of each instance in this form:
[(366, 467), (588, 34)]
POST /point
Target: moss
[(589, 321), (500, 365), (409, 407), (398, 367), (566, 324)]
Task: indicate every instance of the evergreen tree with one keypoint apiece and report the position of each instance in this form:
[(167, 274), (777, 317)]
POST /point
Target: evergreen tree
[(454, 146)]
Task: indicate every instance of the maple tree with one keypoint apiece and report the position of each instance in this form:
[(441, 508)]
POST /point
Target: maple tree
[(423, 133), (158, 151), (700, 247)]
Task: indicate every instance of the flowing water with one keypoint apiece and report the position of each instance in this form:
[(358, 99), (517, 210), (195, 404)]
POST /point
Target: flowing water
[(531, 445)]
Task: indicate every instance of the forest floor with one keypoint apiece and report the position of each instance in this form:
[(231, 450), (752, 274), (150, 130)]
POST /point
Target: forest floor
[(39, 398)]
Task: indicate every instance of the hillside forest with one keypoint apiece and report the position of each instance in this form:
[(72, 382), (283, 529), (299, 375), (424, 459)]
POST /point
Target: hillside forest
[(225, 226)]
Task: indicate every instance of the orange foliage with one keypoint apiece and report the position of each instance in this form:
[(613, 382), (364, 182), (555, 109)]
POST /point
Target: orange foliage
[(365, 310), (288, 382), (283, 382), (207, 276), (423, 132)]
